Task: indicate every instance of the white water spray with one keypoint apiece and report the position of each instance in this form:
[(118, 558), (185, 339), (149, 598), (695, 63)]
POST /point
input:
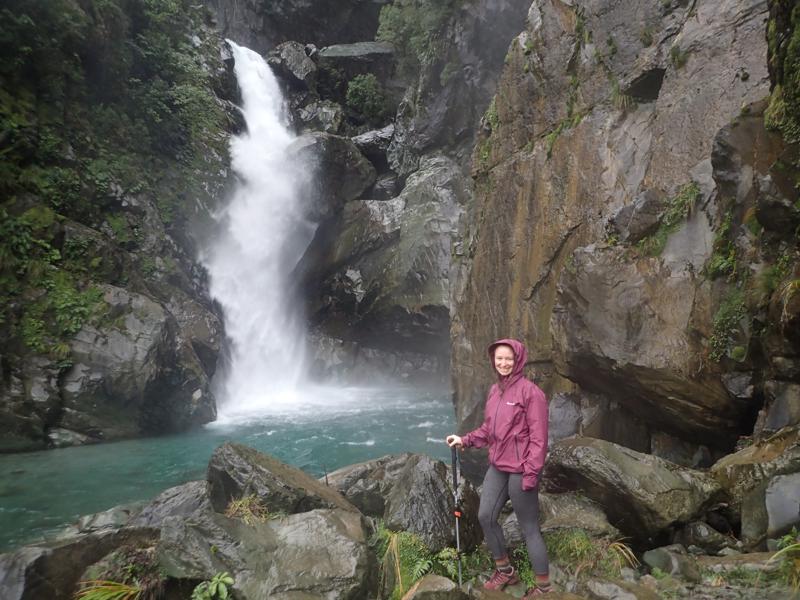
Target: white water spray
[(263, 235)]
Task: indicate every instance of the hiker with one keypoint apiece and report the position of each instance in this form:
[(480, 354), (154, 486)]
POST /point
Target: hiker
[(515, 429)]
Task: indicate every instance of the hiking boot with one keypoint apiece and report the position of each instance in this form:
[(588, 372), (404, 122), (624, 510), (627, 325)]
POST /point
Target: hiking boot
[(537, 591), (499, 579)]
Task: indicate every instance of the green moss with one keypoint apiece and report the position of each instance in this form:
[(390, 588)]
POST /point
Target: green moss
[(365, 95), (646, 36), (678, 57), (677, 210), (726, 324)]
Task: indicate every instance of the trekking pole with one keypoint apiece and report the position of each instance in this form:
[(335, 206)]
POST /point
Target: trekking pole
[(457, 507)]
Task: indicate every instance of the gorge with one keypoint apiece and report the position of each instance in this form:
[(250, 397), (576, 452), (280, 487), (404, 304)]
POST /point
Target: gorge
[(614, 183)]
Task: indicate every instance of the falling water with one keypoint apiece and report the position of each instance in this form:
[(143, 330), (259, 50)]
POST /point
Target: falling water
[(263, 233)]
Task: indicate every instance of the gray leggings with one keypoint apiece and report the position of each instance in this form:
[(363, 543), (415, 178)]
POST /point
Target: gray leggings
[(498, 486)]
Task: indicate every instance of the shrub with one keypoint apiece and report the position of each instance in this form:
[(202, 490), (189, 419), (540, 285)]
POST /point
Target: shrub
[(678, 209), (248, 508), (365, 95)]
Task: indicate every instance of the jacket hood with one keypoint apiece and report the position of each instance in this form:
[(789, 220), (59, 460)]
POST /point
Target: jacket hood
[(520, 358)]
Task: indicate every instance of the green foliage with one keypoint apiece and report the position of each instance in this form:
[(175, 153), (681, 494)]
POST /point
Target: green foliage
[(415, 28), (788, 559), (248, 509), (678, 57), (726, 324), (214, 589), (450, 70), (582, 556), (783, 112), (491, 117), (723, 256), (677, 210), (365, 95), (646, 36), (108, 590)]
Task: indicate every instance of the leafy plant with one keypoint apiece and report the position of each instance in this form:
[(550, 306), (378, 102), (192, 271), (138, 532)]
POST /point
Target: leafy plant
[(248, 508), (678, 57), (214, 589), (677, 211), (726, 324), (99, 589), (580, 555), (365, 95)]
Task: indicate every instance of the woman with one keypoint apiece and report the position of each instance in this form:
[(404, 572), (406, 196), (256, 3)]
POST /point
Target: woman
[(515, 429)]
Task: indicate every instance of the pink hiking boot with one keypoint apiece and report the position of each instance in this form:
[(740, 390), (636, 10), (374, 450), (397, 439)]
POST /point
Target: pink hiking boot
[(500, 579)]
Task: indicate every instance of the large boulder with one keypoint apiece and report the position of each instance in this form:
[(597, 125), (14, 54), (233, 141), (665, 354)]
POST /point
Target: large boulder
[(321, 554), (763, 484), (435, 587), (376, 58), (259, 25), (52, 570), (366, 485), (340, 172), (642, 495), (421, 501), (378, 273), (133, 375), (235, 471)]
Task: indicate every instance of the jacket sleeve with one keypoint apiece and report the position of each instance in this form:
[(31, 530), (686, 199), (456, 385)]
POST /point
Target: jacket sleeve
[(478, 438), (537, 416)]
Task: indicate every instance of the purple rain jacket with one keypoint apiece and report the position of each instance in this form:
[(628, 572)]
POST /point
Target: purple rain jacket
[(515, 422)]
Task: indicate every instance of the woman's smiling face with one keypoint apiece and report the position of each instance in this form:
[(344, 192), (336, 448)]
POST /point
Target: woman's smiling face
[(504, 360)]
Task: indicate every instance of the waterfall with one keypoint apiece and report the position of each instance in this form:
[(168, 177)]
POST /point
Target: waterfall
[(262, 235)]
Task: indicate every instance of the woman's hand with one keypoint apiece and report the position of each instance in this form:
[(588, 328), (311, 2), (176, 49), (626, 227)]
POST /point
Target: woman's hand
[(454, 440)]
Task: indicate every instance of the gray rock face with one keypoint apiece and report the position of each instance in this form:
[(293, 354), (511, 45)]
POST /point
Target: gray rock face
[(260, 26), (634, 221), (235, 471), (367, 484), (122, 384), (641, 494), (322, 115), (384, 266), (291, 63), (339, 172), (435, 587), (359, 58), (703, 536), (28, 404), (762, 484)]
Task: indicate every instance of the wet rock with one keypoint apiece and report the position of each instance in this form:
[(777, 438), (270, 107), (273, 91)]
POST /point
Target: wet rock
[(639, 219), (782, 406), (290, 62), (435, 587), (421, 501), (775, 207), (29, 403), (235, 471), (340, 172), (52, 570), (122, 384), (359, 58), (641, 494), (703, 536), (564, 417), (322, 115), (181, 501), (602, 589), (782, 500), (604, 328), (260, 26), (680, 452), (385, 188), (367, 484), (673, 560), (564, 511), (739, 385), (748, 474), (321, 553), (373, 144)]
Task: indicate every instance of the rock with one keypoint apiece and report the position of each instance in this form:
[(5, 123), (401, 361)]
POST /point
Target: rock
[(259, 26), (602, 589), (755, 562), (639, 219), (673, 560), (782, 501), (367, 484), (322, 115), (376, 58), (748, 474), (775, 208), (321, 553), (386, 187), (739, 385), (435, 587), (235, 471), (121, 384), (29, 403), (341, 172), (421, 501), (373, 144), (782, 406), (181, 501), (565, 417), (52, 570), (680, 452), (378, 275), (563, 511), (603, 328), (704, 536), (641, 494), (290, 62), (60, 438)]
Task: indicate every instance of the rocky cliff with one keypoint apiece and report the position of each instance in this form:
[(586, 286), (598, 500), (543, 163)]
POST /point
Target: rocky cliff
[(635, 223), (114, 118)]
